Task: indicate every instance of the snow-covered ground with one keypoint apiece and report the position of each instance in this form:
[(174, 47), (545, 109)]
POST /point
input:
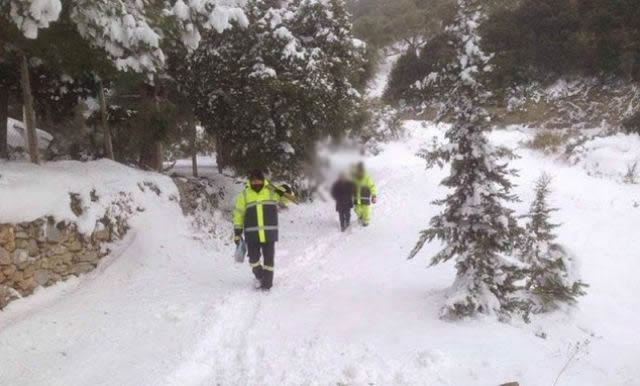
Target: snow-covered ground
[(377, 85), (167, 308), (610, 157)]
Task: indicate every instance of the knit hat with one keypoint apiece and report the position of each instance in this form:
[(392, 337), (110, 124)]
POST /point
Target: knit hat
[(256, 174)]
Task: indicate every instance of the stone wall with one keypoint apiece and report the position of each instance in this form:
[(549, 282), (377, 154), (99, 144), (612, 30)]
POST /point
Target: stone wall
[(44, 252)]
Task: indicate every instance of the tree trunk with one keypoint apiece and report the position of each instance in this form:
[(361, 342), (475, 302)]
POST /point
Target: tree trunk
[(4, 115), (158, 156), (194, 145), (219, 154), (158, 148), (29, 114), (106, 130)]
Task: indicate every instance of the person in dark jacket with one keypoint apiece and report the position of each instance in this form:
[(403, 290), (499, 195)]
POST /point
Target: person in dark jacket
[(343, 191)]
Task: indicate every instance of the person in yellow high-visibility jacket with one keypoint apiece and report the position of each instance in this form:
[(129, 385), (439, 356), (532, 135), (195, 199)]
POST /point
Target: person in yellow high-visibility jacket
[(256, 216), (365, 194)]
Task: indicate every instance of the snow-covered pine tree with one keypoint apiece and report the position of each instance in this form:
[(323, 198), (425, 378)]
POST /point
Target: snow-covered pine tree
[(133, 35), (475, 225), (268, 93), (548, 280)]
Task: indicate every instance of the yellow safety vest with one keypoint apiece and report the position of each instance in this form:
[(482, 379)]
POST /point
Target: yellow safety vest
[(257, 214)]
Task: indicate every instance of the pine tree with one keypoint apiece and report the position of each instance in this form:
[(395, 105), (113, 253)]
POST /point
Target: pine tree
[(134, 35), (475, 225), (269, 92), (548, 279)]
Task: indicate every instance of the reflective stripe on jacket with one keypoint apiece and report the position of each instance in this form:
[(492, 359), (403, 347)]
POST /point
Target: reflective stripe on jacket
[(257, 214), (365, 189)]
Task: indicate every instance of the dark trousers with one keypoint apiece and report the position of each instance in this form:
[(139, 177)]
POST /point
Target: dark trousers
[(263, 272), (345, 218)]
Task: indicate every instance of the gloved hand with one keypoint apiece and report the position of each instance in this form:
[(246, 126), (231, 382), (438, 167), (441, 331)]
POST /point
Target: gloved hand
[(287, 189), (374, 199)]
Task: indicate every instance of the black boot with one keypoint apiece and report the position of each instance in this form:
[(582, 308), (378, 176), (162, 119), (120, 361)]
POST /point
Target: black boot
[(267, 280)]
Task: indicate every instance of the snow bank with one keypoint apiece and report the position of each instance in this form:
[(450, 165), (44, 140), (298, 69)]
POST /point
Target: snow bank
[(29, 192), (609, 157)]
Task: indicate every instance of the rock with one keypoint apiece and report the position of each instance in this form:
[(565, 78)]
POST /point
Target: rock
[(22, 235), (36, 232), (81, 268), (10, 246), (24, 264), (41, 277), (7, 234), (20, 256), (16, 277), (56, 233), (58, 249), (33, 248), (66, 258), (5, 257), (88, 256), (29, 271), (27, 285), (101, 235), (7, 295), (76, 204), (22, 243), (94, 196), (74, 246), (9, 271)]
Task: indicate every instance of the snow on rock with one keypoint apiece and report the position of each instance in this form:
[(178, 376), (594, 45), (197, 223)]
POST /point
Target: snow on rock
[(29, 192), (610, 156), (17, 135)]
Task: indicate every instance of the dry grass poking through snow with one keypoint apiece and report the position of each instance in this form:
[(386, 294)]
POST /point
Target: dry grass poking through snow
[(549, 141)]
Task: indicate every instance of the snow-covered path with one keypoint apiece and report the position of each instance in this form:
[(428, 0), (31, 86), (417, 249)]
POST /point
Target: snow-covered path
[(347, 309)]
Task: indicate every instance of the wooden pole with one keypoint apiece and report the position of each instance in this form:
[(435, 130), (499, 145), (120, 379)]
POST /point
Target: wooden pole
[(29, 115), (104, 119)]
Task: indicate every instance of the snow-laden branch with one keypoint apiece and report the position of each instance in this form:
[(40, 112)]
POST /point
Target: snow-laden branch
[(131, 32)]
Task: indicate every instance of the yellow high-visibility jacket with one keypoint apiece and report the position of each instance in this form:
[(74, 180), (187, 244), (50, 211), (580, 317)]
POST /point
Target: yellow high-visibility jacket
[(257, 214), (365, 190)]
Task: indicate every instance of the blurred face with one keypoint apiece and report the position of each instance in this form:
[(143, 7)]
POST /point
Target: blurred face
[(257, 184)]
